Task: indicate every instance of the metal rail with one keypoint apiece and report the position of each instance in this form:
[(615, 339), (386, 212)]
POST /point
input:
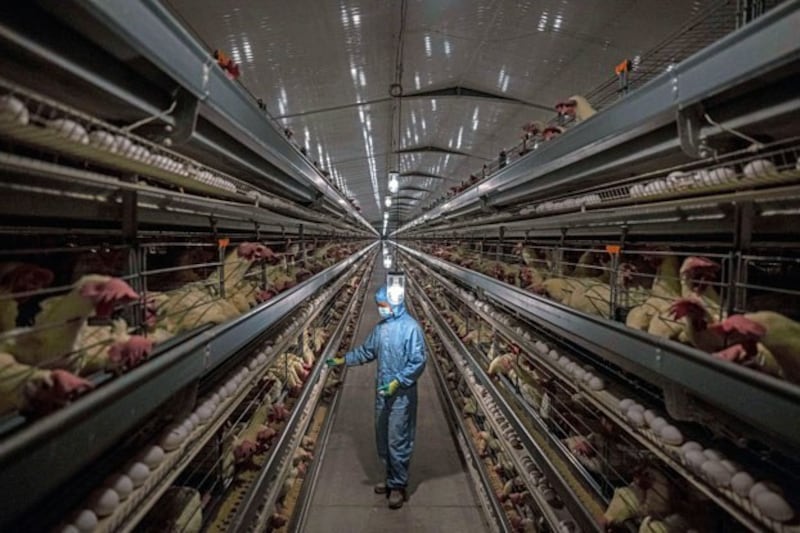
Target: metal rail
[(761, 401), (594, 148)]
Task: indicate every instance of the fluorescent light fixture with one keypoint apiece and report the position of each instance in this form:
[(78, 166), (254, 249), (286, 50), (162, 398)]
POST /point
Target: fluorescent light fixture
[(388, 201), (394, 185), (387, 261)]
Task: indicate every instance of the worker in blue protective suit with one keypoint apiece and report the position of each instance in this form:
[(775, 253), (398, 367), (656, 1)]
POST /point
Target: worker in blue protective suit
[(397, 343)]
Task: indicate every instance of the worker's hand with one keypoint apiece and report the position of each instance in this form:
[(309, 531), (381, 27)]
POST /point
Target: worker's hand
[(389, 389), (334, 361)]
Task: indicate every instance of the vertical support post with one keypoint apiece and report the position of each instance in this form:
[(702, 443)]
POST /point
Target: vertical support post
[(301, 232), (133, 265), (501, 232), (744, 214)]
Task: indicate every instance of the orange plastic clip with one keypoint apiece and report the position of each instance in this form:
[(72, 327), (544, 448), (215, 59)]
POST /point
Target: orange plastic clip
[(613, 249), (625, 66), (223, 243)]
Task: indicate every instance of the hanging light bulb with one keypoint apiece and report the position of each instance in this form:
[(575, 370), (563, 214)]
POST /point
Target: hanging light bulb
[(388, 201), (385, 215), (394, 185), (387, 262)]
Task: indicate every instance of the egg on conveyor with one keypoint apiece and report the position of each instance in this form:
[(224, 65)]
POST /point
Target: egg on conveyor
[(68, 528), (695, 459), (152, 456), (671, 435), (122, 145), (625, 404), (657, 423), (760, 168), (103, 502), (85, 521), (595, 383), (774, 506), (691, 446), (173, 438), (635, 417), (721, 175), (713, 454), (121, 484), (69, 129), (741, 483), (717, 474), (102, 139), (13, 110), (636, 191), (138, 473)]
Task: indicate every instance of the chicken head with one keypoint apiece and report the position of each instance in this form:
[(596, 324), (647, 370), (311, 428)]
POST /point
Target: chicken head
[(53, 392), (105, 293), (687, 307), (244, 451), (24, 277), (253, 251), (699, 271), (128, 354)]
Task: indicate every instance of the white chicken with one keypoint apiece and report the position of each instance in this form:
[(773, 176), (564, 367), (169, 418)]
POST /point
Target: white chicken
[(52, 341)]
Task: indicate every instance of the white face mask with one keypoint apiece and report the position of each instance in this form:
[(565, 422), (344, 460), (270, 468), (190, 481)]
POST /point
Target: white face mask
[(385, 312)]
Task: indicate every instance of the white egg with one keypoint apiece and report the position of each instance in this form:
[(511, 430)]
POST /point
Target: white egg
[(636, 191), (625, 404), (194, 419), (552, 354), (122, 145), (649, 415), (103, 502), (204, 412), (188, 426), (717, 474), (563, 361), (67, 528), (637, 407), (741, 483), (762, 486), (760, 168), (70, 129), (695, 459), (635, 417), (173, 437), (691, 446), (13, 110), (730, 466), (579, 373), (596, 384), (722, 175), (138, 473), (713, 454), (151, 456), (773, 506), (85, 520), (102, 139), (121, 484), (657, 423), (671, 435)]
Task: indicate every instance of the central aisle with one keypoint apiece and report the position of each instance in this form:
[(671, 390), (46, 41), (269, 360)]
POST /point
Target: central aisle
[(441, 498)]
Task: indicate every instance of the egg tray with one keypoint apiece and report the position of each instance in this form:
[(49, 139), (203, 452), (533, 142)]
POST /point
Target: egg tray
[(48, 140), (739, 507)]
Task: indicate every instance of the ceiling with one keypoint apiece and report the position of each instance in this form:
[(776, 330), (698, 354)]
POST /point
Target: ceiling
[(314, 62)]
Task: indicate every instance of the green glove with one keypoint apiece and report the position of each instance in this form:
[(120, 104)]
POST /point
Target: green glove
[(334, 361), (389, 389)]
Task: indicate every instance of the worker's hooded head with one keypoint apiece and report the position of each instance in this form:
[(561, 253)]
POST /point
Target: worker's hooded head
[(391, 311)]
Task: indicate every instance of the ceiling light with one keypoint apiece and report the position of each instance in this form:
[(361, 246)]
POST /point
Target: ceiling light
[(394, 185), (388, 201), (386, 215)]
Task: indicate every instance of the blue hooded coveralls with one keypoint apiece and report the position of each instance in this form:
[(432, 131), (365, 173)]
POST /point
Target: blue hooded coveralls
[(398, 344)]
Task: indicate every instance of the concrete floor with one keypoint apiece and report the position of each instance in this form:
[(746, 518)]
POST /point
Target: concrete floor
[(441, 498)]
